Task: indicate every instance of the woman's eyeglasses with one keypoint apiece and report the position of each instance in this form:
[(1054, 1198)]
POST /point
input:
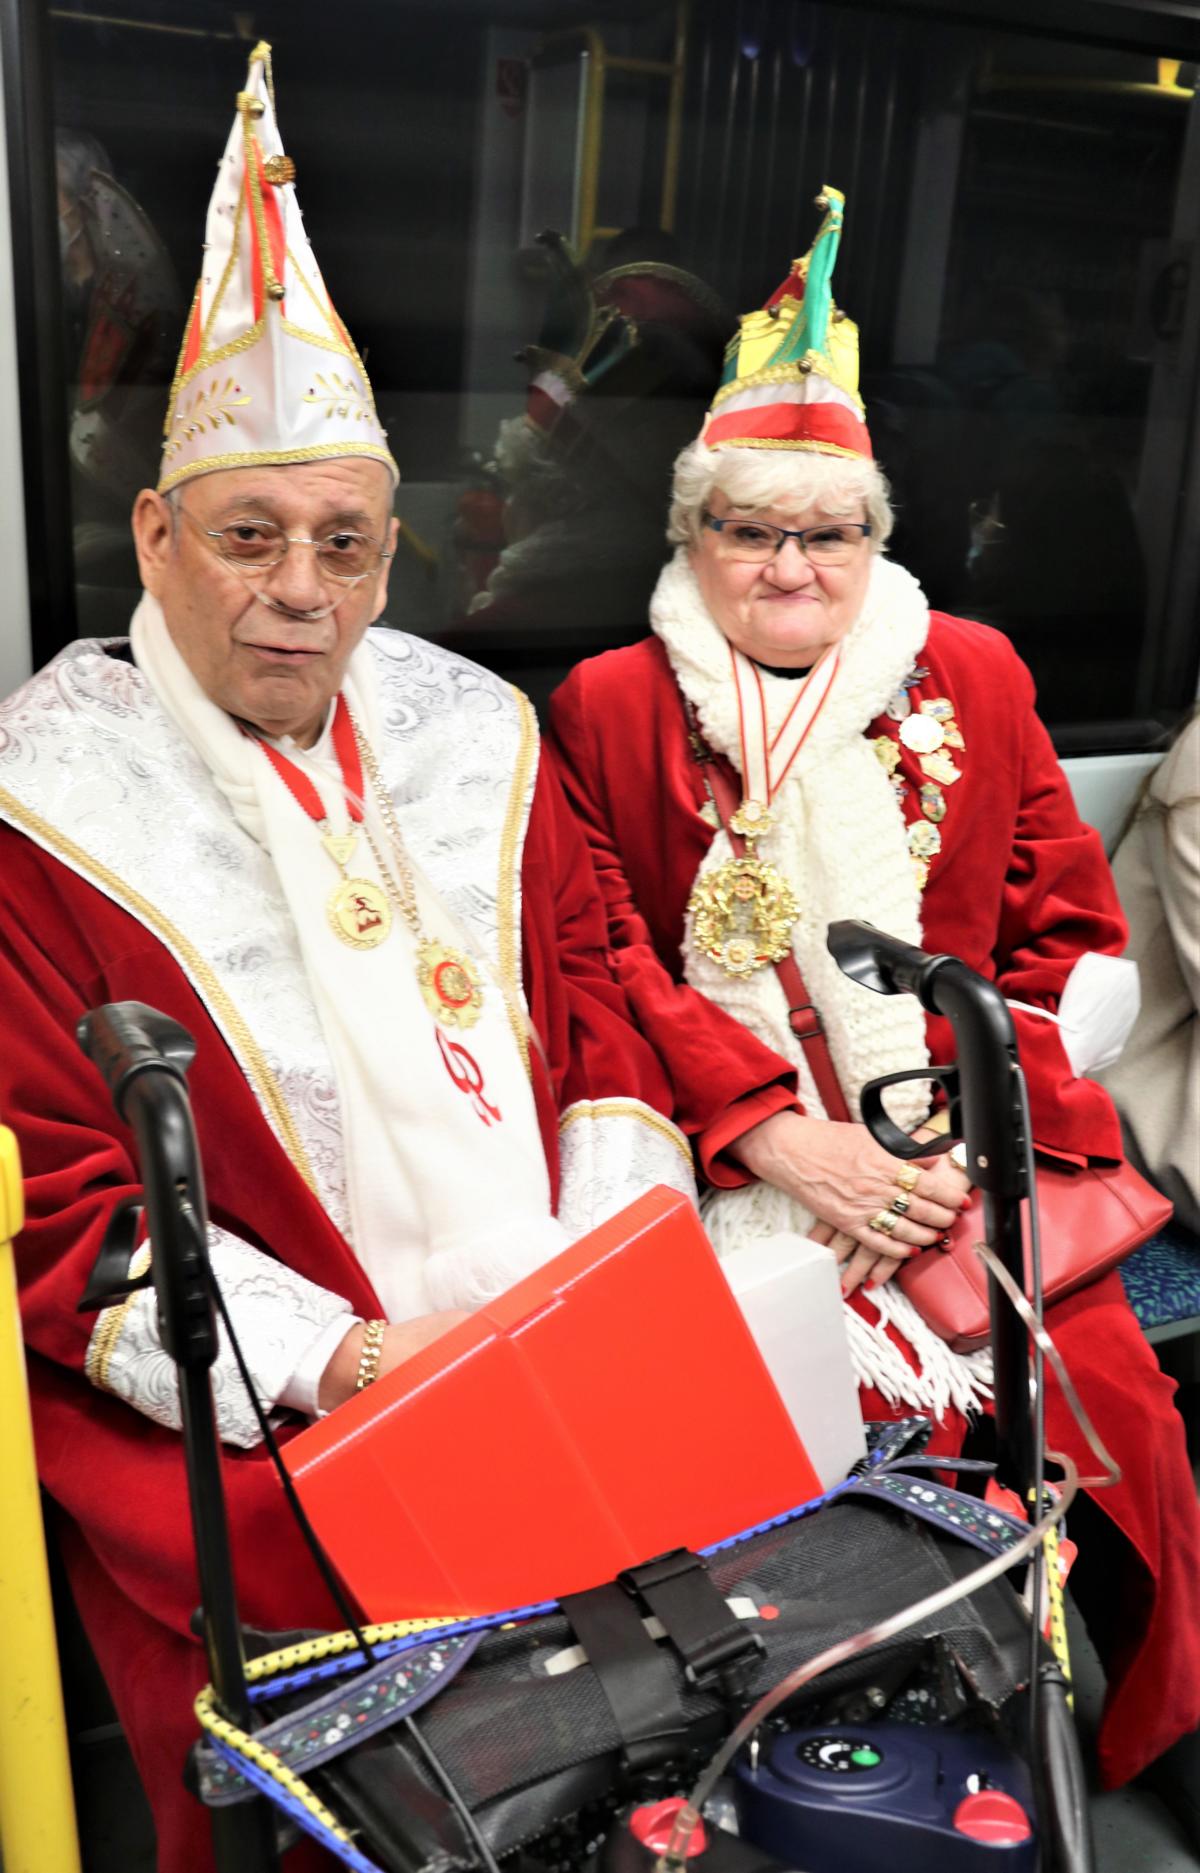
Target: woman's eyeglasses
[(829, 545)]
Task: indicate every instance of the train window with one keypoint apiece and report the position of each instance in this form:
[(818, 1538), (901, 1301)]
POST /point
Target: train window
[(1019, 253)]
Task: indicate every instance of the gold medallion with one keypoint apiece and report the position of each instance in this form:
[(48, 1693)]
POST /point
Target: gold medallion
[(450, 984), (743, 913), (360, 913)]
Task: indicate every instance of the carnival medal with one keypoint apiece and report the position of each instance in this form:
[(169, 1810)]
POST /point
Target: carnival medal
[(743, 911), (358, 909)]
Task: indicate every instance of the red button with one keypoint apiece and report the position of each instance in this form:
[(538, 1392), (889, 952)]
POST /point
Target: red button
[(992, 1816), (654, 1825)]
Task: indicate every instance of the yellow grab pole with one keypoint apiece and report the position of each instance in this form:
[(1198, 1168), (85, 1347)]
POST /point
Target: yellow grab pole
[(37, 1806)]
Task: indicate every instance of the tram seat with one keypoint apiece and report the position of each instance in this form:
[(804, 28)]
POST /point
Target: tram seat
[(1162, 1282)]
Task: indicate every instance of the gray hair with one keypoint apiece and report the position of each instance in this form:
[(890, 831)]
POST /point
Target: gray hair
[(794, 480)]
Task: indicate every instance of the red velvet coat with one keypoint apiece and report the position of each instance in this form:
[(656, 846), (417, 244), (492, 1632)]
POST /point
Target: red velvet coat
[(117, 1477), (1019, 890)]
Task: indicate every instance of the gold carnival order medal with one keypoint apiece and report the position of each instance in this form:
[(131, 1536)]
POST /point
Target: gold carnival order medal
[(922, 733), (933, 801), (360, 913), (450, 984), (924, 839), (752, 820), (939, 767), (742, 915), (887, 752)]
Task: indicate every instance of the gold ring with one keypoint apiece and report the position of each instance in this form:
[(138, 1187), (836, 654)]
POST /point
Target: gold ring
[(906, 1178), (884, 1221), (900, 1205)]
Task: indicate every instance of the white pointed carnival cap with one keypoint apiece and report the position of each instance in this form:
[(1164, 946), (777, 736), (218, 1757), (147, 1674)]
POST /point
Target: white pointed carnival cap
[(267, 373)]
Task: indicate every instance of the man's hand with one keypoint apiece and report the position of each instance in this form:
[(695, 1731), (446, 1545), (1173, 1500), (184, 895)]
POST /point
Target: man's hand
[(839, 1173), (340, 1377)]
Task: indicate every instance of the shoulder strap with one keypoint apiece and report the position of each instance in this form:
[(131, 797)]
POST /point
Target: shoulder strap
[(804, 1018)]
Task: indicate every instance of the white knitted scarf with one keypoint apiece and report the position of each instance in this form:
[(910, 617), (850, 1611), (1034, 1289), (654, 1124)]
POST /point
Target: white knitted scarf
[(837, 835)]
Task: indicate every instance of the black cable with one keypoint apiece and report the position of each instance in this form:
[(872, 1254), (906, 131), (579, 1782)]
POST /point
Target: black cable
[(315, 1547), (337, 1592)]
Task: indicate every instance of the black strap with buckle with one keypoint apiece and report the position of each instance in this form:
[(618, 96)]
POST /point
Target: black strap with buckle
[(635, 1675), (718, 1651)]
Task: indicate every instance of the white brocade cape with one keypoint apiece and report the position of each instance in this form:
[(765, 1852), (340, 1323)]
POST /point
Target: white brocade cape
[(837, 835), (93, 771)]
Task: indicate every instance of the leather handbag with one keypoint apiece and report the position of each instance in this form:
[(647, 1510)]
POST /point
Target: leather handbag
[(1091, 1217)]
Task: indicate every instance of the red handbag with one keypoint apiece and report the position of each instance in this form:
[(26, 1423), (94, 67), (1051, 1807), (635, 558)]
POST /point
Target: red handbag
[(1091, 1219)]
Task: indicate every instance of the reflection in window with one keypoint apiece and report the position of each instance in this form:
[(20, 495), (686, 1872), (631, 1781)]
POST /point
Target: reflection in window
[(1016, 253)]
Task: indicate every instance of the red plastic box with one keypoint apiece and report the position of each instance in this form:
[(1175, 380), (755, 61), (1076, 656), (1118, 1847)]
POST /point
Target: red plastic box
[(609, 1407)]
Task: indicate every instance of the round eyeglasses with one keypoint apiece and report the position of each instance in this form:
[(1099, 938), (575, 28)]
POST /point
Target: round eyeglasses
[(757, 540), (254, 545)]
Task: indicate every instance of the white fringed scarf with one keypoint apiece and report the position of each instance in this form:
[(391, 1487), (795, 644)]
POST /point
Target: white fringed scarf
[(838, 837)]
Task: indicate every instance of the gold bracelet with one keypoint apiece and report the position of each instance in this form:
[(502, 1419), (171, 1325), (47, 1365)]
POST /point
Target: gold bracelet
[(372, 1352)]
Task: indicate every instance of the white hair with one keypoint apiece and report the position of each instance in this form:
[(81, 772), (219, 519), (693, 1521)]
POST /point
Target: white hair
[(795, 480)]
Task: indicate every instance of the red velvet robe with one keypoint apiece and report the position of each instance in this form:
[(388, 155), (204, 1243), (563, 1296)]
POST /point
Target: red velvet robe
[(117, 1477), (1019, 890)]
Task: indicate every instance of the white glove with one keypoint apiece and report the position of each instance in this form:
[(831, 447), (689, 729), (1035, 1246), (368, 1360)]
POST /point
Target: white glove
[(1096, 1010)]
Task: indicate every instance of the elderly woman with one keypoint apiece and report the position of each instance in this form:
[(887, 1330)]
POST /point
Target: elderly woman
[(887, 764)]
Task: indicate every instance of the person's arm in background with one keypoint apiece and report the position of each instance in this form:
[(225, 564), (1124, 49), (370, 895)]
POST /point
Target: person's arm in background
[(1156, 1080), (1058, 902)]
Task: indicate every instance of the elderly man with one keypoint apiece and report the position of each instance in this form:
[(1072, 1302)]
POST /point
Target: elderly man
[(333, 855)]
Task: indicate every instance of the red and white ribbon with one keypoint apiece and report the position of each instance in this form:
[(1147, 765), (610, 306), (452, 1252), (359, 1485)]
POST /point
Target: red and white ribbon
[(767, 759)]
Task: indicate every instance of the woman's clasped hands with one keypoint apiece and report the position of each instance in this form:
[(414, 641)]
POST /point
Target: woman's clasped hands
[(873, 1210)]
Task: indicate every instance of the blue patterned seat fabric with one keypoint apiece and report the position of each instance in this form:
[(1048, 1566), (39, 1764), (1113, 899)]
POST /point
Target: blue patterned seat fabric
[(1162, 1278)]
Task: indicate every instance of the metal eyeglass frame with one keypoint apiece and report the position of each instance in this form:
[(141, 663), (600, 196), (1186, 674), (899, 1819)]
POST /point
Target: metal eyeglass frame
[(718, 523), (288, 539)]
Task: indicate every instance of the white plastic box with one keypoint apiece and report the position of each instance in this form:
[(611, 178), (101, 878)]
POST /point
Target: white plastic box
[(789, 1292)]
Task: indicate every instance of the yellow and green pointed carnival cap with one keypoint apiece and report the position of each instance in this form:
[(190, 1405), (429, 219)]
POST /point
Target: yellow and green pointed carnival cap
[(791, 370)]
